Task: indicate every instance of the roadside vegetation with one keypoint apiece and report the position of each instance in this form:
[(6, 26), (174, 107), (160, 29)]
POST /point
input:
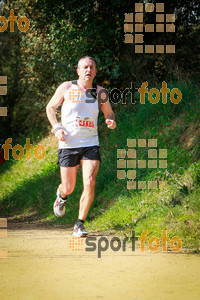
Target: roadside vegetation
[(28, 187), (37, 61)]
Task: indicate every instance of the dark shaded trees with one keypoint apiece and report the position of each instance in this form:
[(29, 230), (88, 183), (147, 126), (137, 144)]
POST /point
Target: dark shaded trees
[(37, 61)]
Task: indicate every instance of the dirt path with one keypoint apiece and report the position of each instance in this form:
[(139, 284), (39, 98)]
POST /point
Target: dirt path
[(41, 265)]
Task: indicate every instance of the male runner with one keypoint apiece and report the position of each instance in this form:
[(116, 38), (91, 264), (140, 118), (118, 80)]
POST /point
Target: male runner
[(78, 137)]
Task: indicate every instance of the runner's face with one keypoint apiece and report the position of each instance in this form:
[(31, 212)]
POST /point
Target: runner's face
[(87, 70)]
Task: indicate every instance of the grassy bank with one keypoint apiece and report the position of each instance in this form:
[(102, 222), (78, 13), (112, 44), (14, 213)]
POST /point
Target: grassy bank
[(28, 187)]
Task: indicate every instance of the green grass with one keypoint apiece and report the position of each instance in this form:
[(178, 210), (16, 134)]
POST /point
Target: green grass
[(29, 186)]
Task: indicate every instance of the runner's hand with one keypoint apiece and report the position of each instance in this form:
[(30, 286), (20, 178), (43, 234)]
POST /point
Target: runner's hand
[(110, 123), (61, 134)]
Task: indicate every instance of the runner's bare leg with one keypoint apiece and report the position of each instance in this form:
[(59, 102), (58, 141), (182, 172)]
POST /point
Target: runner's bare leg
[(68, 180), (89, 171)]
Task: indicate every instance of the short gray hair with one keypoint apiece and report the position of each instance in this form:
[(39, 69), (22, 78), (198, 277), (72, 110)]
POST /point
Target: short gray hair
[(86, 57)]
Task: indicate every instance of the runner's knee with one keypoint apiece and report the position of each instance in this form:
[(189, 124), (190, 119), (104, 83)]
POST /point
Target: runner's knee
[(89, 183), (66, 190)]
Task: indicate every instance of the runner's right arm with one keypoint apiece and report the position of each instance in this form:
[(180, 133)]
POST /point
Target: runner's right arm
[(51, 107)]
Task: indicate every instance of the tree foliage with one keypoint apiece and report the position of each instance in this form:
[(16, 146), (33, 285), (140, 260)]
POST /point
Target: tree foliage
[(37, 61)]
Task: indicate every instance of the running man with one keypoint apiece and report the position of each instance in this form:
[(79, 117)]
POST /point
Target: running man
[(78, 137)]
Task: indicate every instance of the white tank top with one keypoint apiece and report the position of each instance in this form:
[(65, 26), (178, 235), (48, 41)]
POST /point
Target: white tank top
[(79, 119)]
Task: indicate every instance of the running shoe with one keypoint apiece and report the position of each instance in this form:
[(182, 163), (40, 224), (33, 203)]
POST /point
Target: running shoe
[(59, 206), (79, 230)]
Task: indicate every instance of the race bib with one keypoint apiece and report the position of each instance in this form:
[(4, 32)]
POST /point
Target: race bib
[(85, 124)]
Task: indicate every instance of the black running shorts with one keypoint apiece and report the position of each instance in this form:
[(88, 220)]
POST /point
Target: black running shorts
[(71, 157)]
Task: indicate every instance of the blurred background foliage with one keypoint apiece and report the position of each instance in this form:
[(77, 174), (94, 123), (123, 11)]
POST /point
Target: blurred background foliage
[(38, 60)]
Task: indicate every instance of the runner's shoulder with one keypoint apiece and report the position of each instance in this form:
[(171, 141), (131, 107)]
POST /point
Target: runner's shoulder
[(63, 87), (102, 93), (99, 87)]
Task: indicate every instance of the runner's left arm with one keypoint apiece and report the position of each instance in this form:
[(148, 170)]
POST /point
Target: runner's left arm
[(107, 109)]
